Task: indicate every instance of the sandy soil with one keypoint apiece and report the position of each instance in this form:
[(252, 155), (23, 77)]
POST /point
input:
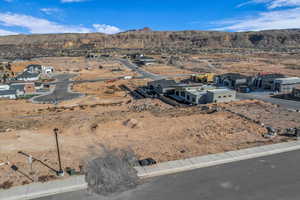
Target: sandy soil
[(251, 64), (160, 132), (109, 116), (165, 70)]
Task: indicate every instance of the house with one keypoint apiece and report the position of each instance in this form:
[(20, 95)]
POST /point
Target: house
[(192, 96), (265, 80), (28, 76), (232, 80), (8, 94), (144, 60), (296, 92), (162, 86), (220, 95), (24, 88), (4, 87), (34, 68), (203, 94), (189, 93), (285, 85), (134, 56)]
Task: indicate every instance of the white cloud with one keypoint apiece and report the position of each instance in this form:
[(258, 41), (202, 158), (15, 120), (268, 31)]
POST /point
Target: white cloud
[(50, 11), (108, 29), (272, 4), (282, 19), (283, 3), (71, 1), (41, 26), (38, 25), (5, 32)]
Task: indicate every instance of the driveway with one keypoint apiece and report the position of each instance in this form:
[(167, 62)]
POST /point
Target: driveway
[(61, 91), (265, 96)]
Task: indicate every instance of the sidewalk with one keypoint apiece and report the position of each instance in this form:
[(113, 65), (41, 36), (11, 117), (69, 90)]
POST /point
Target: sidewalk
[(37, 190), (215, 159)]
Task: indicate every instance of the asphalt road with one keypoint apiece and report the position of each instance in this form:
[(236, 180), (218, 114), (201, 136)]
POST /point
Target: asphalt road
[(275, 177), (264, 96), (139, 70), (61, 91)]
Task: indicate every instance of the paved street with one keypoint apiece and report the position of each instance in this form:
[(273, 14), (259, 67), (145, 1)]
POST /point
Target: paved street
[(139, 70), (275, 177), (61, 91), (265, 96)]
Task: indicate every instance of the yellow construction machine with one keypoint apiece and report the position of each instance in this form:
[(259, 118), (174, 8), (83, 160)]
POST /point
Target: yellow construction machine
[(203, 78)]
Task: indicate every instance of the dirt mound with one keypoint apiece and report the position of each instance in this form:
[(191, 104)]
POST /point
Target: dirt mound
[(112, 172), (131, 123), (147, 105)]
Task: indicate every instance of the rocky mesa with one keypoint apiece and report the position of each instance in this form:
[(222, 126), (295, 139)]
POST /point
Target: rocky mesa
[(27, 46)]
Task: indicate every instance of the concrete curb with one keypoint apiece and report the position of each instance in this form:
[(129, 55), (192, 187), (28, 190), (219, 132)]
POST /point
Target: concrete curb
[(75, 183), (215, 159), (37, 190)]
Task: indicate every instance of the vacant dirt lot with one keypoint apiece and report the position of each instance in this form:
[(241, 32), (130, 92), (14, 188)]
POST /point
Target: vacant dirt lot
[(268, 114), (166, 70), (247, 64), (149, 127), (109, 116)]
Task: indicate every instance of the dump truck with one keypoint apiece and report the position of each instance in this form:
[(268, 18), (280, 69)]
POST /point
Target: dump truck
[(203, 78)]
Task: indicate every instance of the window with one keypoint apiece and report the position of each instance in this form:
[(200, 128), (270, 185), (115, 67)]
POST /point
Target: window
[(182, 94), (177, 93), (188, 97), (224, 96), (230, 95), (219, 97), (194, 99)]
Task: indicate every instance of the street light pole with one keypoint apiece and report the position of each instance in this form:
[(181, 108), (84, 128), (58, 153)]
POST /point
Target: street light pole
[(60, 172)]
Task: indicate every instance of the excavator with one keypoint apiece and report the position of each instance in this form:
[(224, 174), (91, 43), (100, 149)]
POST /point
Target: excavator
[(203, 78)]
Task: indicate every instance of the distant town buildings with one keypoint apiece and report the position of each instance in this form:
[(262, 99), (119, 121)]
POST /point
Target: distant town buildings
[(25, 83)]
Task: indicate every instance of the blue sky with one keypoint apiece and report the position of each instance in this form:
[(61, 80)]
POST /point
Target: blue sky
[(84, 16)]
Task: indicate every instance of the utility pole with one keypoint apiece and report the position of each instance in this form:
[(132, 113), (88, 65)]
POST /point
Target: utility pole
[(60, 172)]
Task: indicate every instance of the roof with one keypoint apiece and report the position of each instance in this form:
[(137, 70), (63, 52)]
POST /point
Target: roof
[(7, 92), (27, 74), (220, 90), (17, 87), (197, 92), (233, 76), (163, 83), (188, 85), (271, 76), (34, 65), (290, 80)]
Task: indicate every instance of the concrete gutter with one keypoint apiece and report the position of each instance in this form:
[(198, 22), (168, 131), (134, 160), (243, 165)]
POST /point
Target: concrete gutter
[(37, 190), (75, 183), (215, 159)]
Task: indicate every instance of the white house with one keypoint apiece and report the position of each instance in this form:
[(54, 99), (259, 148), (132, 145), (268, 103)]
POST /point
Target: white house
[(27, 76), (8, 94), (47, 69), (4, 87)]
